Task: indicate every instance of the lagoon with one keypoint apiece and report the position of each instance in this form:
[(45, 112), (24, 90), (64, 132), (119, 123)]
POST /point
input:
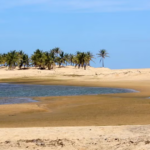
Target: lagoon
[(23, 93)]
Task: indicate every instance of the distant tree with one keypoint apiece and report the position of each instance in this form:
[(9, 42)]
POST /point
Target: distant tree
[(50, 59), (61, 59), (90, 57), (102, 54), (56, 51), (3, 61), (71, 57), (23, 59), (0, 59), (12, 59), (21, 53), (82, 59), (66, 58), (38, 59)]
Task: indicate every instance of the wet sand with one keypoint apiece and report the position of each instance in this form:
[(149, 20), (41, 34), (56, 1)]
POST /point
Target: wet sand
[(94, 110)]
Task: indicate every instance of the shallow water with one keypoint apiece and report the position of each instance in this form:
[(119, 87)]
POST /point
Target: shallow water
[(15, 100), (18, 93)]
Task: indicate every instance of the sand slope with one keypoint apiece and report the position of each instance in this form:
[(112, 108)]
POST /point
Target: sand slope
[(66, 72)]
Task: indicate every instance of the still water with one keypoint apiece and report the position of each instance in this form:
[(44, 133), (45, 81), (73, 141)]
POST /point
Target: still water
[(20, 93)]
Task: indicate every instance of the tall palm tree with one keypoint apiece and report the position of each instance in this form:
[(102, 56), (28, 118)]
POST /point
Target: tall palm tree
[(61, 59), (21, 53), (83, 59), (56, 52), (102, 54), (78, 59)]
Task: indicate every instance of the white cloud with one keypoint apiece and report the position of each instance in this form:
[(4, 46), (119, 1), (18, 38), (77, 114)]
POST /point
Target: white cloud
[(79, 5), (103, 5)]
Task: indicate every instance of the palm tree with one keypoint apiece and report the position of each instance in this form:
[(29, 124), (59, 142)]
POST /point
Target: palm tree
[(56, 50), (21, 53), (102, 54), (0, 59), (12, 59), (3, 59), (38, 59), (61, 59), (50, 59), (82, 59), (66, 57), (25, 60), (90, 57), (71, 58)]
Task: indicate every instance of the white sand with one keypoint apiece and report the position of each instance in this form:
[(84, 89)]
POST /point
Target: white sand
[(76, 138), (91, 73)]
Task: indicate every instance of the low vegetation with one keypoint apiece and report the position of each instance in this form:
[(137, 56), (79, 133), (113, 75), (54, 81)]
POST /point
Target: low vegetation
[(48, 59)]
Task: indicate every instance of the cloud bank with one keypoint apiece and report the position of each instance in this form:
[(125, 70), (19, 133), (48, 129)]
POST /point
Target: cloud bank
[(78, 5)]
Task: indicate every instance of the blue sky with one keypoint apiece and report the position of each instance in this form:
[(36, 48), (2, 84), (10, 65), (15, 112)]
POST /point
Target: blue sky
[(122, 27)]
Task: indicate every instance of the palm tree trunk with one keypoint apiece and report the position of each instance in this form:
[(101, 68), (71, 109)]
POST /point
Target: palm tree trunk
[(79, 66), (59, 65), (49, 67)]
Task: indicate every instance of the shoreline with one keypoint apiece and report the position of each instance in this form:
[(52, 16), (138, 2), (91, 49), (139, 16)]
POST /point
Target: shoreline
[(72, 110), (29, 99)]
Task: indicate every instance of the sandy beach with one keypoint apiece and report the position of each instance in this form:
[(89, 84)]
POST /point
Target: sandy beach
[(96, 122), (76, 138), (90, 73)]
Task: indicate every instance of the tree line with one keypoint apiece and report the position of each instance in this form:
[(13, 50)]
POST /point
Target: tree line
[(49, 59)]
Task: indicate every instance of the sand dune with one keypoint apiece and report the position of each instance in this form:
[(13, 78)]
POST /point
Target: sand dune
[(90, 73)]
